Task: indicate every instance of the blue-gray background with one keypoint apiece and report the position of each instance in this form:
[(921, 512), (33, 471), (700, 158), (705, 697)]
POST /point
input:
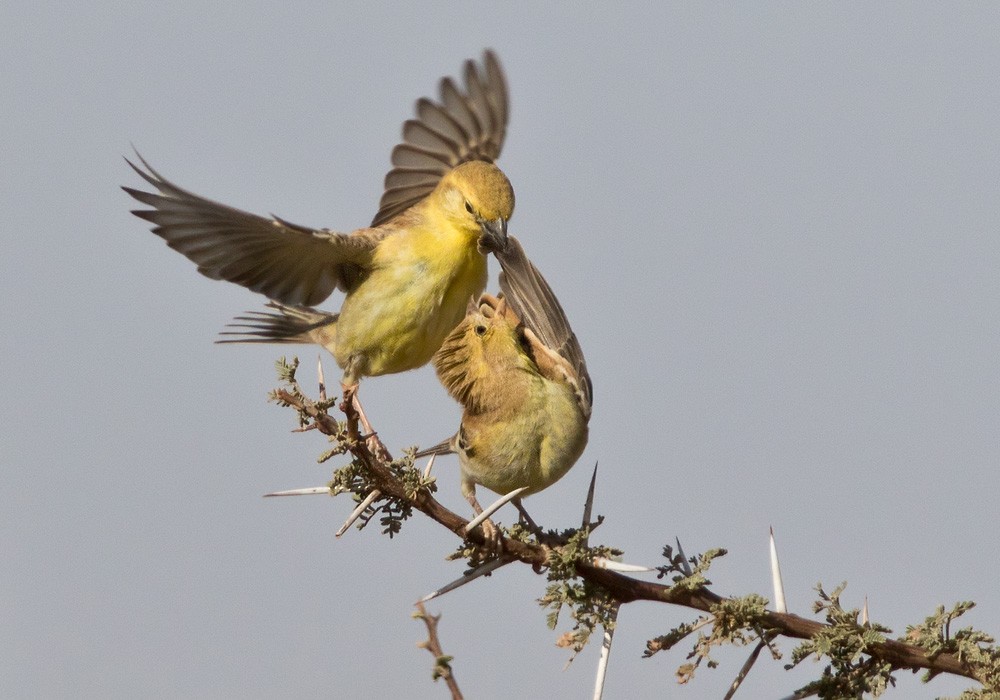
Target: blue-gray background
[(774, 229)]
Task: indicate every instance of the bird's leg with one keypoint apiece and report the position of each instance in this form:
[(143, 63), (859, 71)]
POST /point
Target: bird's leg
[(351, 399), (356, 415), (353, 372), (349, 392), (548, 539), (491, 533), (349, 385), (526, 519), (348, 407)]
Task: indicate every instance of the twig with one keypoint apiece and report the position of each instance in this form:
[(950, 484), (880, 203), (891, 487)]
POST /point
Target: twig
[(442, 663)]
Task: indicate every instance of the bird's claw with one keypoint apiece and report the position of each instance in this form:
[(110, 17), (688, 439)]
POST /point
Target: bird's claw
[(493, 538)]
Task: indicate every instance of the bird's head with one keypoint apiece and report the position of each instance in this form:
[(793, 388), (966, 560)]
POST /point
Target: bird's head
[(476, 355), (478, 196), (494, 331)]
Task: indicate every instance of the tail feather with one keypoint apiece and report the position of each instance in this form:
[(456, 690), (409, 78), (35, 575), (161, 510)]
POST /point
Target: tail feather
[(442, 448), (292, 324)]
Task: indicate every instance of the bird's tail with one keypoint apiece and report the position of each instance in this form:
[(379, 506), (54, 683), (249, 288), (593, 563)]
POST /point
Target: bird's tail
[(442, 448), (292, 324)]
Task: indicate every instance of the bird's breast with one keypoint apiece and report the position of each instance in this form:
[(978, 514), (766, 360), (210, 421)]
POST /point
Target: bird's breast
[(531, 440), (416, 293)]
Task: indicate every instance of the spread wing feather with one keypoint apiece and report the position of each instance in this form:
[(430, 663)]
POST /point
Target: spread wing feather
[(463, 126), (292, 264)]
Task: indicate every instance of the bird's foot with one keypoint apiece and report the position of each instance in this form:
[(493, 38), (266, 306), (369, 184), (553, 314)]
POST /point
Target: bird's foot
[(350, 393), (493, 536)]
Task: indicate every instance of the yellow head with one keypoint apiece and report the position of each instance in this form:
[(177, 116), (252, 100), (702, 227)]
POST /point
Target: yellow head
[(477, 196), (478, 361)]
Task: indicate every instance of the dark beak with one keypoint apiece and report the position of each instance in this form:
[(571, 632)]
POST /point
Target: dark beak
[(494, 238)]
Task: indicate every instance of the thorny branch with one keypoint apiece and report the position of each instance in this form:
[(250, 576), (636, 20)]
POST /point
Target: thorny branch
[(622, 589)]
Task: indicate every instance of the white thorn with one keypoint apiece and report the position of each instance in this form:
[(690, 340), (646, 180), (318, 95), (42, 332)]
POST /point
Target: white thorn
[(611, 565), (356, 513), (310, 491), (779, 588), (588, 507), (685, 564), (500, 502), (322, 379), (430, 465), (747, 665), (864, 613), (472, 576), (602, 663)]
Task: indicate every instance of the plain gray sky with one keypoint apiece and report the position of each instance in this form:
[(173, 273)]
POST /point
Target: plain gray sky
[(774, 229)]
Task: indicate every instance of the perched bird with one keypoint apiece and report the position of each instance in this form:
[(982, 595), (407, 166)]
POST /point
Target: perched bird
[(408, 277), (516, 367)]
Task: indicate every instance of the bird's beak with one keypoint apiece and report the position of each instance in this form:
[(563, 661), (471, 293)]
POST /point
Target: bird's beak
[(494, 237)]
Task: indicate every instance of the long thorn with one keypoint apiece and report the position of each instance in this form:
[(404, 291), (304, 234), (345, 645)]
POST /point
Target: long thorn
[(503, 500), (611, 565), (779, 587), (361, 415), (309, 491), (471, 576), (685, 564), (356, 513), (430, 465), (602, 663), (588, 507), (745, 670), (322, 380)]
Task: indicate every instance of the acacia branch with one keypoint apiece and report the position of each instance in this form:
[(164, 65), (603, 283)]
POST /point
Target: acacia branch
[(372, 453)]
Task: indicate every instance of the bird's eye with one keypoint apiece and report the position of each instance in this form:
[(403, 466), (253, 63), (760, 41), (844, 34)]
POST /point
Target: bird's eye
[(468, 208), (480, 329)]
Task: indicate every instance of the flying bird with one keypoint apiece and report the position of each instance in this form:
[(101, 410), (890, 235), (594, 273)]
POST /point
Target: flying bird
[(407, 277)]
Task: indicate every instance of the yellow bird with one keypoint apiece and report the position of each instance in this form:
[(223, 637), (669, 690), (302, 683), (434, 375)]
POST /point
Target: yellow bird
[(518, 370), (408, 277)]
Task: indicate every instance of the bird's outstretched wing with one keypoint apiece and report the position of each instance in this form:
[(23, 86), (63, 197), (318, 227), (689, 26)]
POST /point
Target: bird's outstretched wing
[(462, 126), (530, 297), (289, 263)]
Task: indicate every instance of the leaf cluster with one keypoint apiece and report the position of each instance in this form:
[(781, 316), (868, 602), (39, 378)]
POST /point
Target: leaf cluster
[(847, 644), (590, 606)]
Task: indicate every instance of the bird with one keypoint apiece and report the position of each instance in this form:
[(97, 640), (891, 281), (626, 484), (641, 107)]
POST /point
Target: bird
[(406, 277), (517, 369)]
